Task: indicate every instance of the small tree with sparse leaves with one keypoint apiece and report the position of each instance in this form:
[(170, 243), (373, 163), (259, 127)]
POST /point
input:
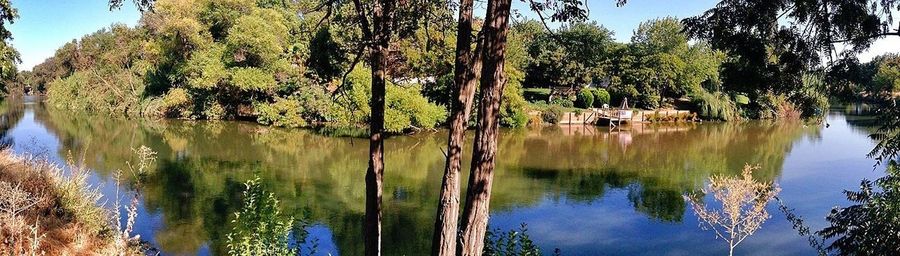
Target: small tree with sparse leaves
[(743, 203)]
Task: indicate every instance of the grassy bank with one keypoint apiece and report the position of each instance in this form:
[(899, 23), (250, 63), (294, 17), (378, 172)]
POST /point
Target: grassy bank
[(45, 209)]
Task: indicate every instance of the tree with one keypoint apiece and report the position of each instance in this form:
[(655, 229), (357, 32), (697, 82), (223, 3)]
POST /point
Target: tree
[(660, 64), (575, 55), (8, 55), (475, 212), (466, 74), (772, 43), (743, 202), (142, 5), (887, 76), (870, 226), (493, 81), (379, 37)]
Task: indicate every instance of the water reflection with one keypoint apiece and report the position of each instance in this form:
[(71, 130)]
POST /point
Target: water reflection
[(202, 165), (11, 112)]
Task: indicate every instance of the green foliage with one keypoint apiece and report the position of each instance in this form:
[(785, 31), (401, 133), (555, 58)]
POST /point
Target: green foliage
[(513, 104), (258, 39), (405, 107), (870, 226), (536, 94), (715, 106), (8, 55), (511, 243), (887, 78), (251, 79), (259, 227), (284, 113), (552, 114), (512, 109), (601, 96), (574, 56), (660, 64), (888, 134), (177, 102), (563, 102), (584, 99), (811, 97), (206, 68), (741, 99)]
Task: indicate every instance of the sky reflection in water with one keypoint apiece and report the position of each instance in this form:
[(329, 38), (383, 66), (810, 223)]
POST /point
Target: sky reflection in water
[(583, 190)]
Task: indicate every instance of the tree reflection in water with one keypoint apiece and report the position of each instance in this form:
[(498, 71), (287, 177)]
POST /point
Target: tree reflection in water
[(202, 166)]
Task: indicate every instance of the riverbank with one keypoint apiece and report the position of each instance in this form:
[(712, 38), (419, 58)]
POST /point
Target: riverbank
[(45, 209)]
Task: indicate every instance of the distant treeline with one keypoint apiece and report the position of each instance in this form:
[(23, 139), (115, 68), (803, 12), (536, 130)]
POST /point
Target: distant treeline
[(260, 60)]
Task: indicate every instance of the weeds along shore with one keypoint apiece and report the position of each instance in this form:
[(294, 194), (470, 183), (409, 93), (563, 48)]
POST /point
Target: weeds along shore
[(47, 209)]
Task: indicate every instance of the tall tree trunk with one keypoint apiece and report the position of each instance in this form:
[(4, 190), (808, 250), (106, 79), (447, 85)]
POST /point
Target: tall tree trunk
[(478, 195), (468, 65), (382, 13)]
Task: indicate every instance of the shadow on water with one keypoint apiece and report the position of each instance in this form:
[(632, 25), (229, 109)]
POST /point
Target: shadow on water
[(201, 166), (11, 112)]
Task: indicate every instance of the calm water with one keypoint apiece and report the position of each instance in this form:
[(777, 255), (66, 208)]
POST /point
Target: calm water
[(585, 191)]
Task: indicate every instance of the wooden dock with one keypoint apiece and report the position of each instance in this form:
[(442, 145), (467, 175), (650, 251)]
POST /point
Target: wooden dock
[(616, 116)]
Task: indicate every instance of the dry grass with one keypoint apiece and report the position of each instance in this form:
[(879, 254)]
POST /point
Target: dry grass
[(46, 211)]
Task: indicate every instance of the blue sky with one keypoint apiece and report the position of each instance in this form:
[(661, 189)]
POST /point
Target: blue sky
[(45, 25), (624, 20)]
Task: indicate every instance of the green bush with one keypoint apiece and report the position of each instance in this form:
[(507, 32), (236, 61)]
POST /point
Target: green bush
[(741, 99), (536, 94), (283, 112), (405, 107), (260, 228), (585, 99), (714, 106), (511, 243), (552, 114), (811, 99), (601, 96), (512, 108), (561, 101)]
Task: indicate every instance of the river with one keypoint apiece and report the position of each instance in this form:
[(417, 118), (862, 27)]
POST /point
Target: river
[(583, 190)]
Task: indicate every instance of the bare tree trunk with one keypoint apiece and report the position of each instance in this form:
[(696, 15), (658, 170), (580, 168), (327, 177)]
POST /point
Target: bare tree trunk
[(468, 65), (478, 195), (382, 13)]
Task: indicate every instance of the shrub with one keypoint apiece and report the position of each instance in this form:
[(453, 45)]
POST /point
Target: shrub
[(252, 79), (561, 101), (536, 94), (512, 108), (405, 107), (601, 96), (283, 112), (552, 114), (714, 106), (585, 99), (511, 243), (811, 99), (741, 99), (869, 227), (176, 102), (260, 228), (535, 120)]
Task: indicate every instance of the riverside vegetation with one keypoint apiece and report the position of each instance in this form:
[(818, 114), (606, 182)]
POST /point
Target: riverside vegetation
[(260, 60), (48, 210), (217, 60)]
